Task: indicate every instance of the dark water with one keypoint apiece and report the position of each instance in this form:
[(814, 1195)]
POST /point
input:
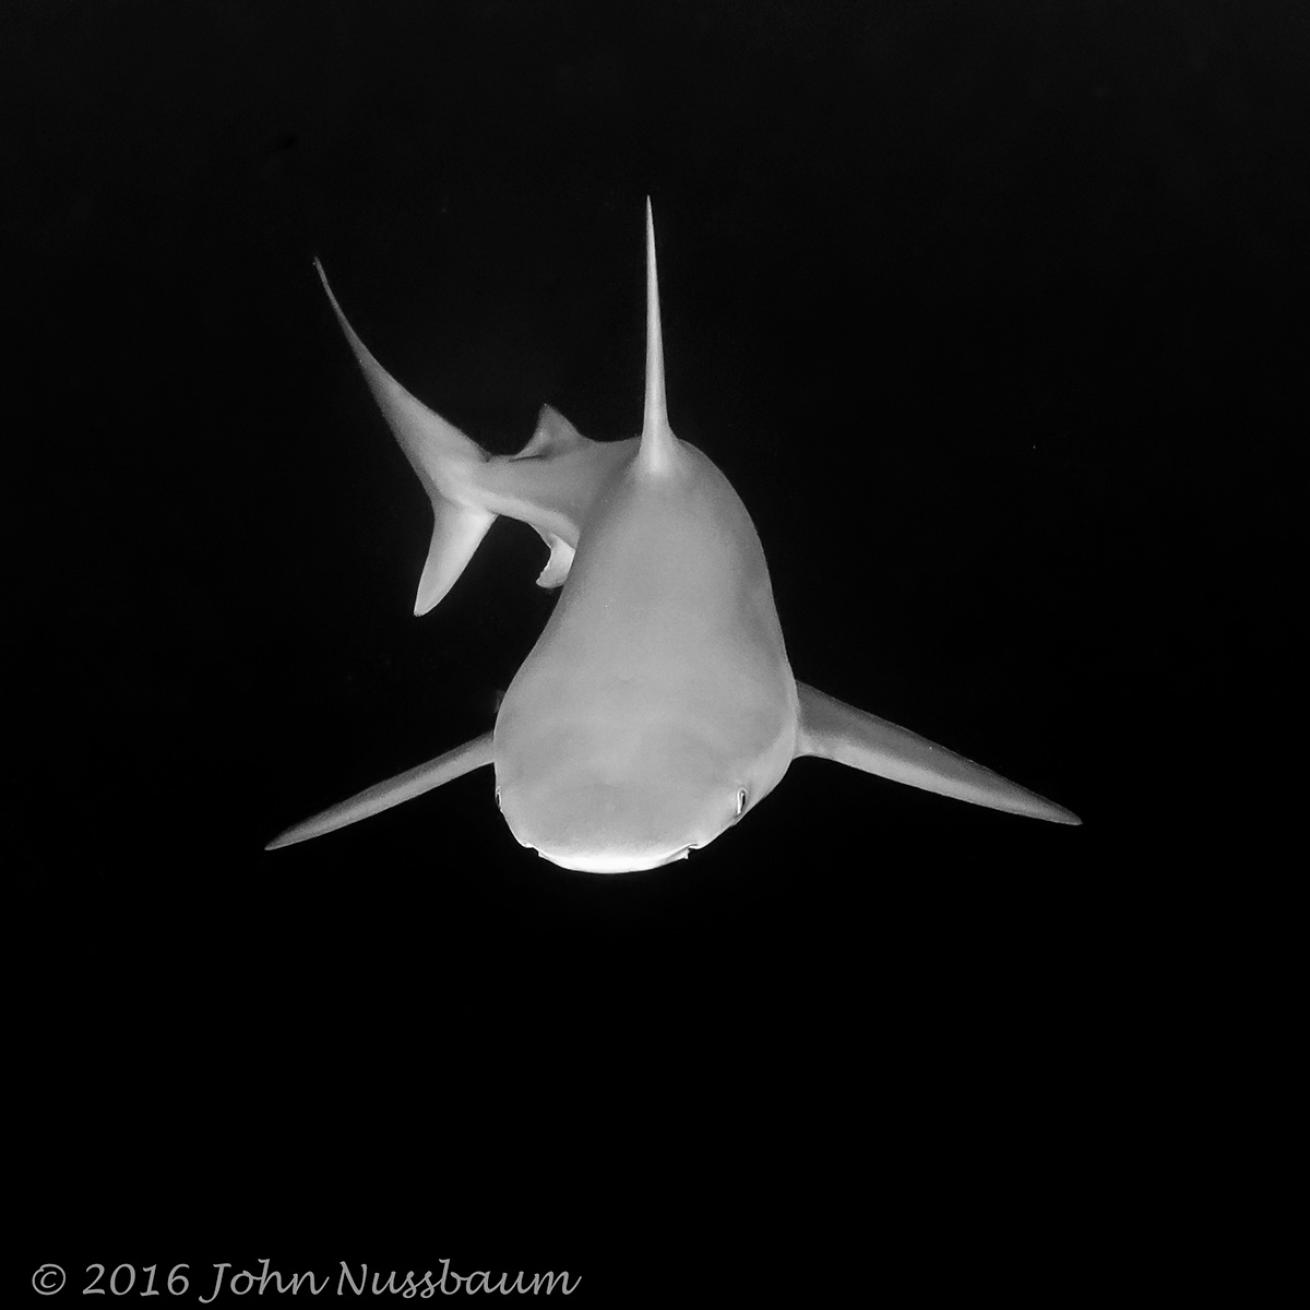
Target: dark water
[(994, 317)]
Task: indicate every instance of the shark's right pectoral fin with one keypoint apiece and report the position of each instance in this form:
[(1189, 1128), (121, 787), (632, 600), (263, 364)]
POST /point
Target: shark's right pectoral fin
[(405, 786), (835, 731)]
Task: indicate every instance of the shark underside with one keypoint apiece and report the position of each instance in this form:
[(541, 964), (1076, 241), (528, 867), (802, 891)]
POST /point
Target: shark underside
[(658, 706)]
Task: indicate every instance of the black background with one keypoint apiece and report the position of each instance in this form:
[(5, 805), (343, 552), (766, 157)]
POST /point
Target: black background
[(994, 316)]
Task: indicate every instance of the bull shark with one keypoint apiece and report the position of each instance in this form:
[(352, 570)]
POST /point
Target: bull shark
[(658, 706)]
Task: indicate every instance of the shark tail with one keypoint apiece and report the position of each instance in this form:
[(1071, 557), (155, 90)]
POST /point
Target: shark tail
[(457, 531), (446, 461)]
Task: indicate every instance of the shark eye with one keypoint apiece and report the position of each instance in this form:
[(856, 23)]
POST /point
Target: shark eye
[(741, 801), (498, 804)]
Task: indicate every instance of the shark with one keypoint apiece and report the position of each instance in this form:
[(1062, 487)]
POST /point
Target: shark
[(658, 707)]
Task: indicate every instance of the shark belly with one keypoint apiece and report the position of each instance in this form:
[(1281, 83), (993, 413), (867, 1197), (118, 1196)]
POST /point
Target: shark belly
[(659, 693)]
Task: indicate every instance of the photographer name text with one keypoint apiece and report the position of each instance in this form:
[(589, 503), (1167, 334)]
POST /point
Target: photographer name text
[(208, 1282)]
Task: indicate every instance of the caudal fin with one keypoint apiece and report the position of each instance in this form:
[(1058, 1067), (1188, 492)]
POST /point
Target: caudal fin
[(446, 461)]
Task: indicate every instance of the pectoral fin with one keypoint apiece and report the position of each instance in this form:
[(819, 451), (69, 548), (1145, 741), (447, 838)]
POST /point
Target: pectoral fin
[(405, 786), (835, 731)]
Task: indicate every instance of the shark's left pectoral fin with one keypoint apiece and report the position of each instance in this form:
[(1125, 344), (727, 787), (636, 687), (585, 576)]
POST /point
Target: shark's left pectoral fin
[(405, 786), (834, 731)]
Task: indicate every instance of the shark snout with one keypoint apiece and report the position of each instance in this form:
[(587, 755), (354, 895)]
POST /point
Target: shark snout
[(607, 827)]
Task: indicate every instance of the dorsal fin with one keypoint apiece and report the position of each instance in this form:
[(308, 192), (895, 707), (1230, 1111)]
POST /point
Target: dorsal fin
[(554, 435), (659, 447)]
